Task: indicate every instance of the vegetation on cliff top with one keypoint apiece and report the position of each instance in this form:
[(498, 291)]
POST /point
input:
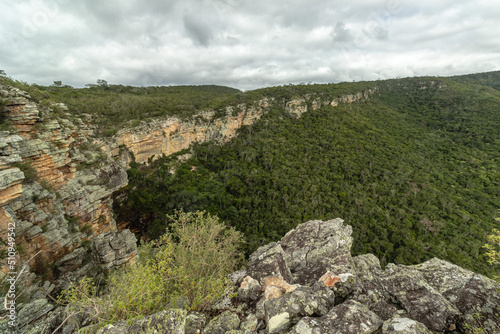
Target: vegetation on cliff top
[(414, 169)]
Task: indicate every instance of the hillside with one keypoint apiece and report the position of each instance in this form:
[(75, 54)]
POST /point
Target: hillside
[(414, 168)]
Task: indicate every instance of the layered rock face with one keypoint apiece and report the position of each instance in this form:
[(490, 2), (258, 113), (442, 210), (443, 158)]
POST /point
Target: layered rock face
[(308, 283), (55, 188), (168, 136), (171, 135)]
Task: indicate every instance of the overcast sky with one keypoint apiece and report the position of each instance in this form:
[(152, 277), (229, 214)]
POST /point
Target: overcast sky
[(245, 44)]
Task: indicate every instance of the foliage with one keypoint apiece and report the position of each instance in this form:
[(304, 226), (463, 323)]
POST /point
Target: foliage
[(414, 170), (191, 260), (196, 255), (493, 248), (30, 173)]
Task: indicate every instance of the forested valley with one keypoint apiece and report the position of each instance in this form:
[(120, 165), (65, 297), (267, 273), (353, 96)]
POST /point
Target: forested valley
[(414, 169)]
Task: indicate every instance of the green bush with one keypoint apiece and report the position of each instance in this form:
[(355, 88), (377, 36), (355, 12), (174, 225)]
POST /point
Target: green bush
[(190, 261), (30, 173), (195, 257)]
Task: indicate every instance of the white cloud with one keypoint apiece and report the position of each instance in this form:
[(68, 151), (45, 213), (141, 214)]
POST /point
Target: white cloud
[(245, 44)]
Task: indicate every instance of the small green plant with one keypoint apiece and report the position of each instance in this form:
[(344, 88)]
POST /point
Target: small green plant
[(87, 229), (196, 255), (47, 186), (72, 223), (30, 173), (86, 244), (493, 249)]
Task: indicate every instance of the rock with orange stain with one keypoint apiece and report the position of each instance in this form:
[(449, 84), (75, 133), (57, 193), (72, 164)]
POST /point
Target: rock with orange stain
[(274, 287), (249, 289), (329, 279)]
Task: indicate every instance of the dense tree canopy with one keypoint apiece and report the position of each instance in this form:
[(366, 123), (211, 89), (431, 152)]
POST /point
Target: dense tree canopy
[(414, 170)]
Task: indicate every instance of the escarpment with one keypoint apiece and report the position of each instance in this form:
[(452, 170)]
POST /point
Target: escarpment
[(171, 135), (55, 189), (308, 282)]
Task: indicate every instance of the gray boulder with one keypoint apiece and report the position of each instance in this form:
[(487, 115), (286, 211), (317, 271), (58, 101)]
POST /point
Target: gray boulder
[(282, 313), (315, 247), (350, 317), (195, 322), (223, 323), (422, 302), (475, 296), (370, 290), (268, 260), (404, 326)]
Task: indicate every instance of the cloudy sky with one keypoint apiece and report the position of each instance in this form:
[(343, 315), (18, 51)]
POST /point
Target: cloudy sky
[(245, 44)]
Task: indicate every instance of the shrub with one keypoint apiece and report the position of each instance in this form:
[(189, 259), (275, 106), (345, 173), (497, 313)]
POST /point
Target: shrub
[(190, 261), (30, 173), (196, 255)]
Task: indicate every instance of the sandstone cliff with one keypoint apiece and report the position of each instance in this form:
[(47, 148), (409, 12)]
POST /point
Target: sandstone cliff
[(55, 188), (167, 136), (309, 283)]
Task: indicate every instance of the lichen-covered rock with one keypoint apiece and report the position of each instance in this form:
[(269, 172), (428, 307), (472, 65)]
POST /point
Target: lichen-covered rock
[(315, 247), (350, 317), (169, 321), (479, 302), (282, 313), (370, 290), (195, 322), (404, 326), (32, 312), (223, 323), (422, 302), (249, 325), (113, 249), (476, 297), (249, 289), (267, 261)]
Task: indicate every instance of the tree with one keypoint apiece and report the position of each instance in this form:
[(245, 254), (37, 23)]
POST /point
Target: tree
[(493, 246)]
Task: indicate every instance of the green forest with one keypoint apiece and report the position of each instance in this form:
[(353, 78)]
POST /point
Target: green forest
[(414, 169)]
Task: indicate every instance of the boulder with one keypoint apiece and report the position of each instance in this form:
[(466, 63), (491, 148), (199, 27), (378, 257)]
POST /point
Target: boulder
[(249, 289), (315, 247), (404, 326), (195, 322), (422, 302), (350, 317), (223, 323), (282, 313), (268, 260), (370, 290)]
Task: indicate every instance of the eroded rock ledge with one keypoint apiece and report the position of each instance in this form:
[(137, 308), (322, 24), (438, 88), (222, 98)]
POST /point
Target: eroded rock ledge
[(309, 283)]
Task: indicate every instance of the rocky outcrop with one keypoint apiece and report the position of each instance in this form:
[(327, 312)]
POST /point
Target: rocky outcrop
[(432, 297), (167, 136), (55, 188), (299, 106)]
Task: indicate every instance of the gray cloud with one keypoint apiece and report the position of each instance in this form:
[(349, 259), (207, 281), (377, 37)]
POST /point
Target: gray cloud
[(197, 29), (245, 44)]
